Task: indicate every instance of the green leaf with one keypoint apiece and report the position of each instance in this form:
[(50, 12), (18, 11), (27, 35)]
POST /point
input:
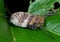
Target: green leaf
[(5, 34), (26, 35), (53, 23), (40, 7)]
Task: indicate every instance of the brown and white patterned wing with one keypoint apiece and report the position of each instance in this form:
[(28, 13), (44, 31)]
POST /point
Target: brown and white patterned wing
[(20, 19)]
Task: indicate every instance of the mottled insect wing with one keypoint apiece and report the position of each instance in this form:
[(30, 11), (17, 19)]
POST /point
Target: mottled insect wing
[(24, 19), (20, 19)]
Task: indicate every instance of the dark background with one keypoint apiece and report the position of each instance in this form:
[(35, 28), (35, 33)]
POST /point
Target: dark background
[(16, 5)]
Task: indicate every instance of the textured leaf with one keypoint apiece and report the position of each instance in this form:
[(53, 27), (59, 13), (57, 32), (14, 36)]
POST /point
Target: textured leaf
[(41, 6), (53, 23)]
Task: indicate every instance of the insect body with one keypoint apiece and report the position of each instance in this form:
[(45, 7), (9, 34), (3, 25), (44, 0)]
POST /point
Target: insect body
[(24, 19)]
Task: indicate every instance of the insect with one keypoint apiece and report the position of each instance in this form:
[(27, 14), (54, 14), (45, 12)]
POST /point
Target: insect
[(23, 19)]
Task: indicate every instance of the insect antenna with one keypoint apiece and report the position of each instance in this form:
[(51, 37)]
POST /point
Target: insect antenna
[(7, 10)]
